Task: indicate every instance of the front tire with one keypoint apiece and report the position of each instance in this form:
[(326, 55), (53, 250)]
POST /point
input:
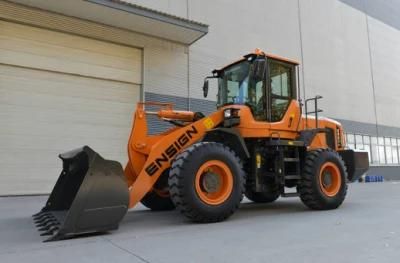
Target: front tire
[(323, 184), (206, 182)]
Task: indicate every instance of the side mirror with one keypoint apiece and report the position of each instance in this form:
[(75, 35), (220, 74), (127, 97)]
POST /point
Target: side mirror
[(205, 88)]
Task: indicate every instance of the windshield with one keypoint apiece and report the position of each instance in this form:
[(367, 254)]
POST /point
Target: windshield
[(238, 84)]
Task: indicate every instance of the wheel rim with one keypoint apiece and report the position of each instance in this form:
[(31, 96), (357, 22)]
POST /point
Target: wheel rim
[(161, 186), (214, 182), (161, 192), (330, 179)]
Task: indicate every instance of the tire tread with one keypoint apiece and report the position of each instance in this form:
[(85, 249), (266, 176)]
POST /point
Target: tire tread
[(177, 173), (308, 194)]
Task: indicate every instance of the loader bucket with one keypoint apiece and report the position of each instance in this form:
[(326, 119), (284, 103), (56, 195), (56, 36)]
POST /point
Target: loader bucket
[(90, 195)]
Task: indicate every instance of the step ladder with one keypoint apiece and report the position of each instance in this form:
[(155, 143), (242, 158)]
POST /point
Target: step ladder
[(281, 163)]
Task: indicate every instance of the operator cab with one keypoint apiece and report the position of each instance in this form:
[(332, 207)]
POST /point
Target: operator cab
[(265, 83)]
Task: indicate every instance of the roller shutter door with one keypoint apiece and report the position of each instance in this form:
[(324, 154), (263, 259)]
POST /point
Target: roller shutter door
[(58, 92)]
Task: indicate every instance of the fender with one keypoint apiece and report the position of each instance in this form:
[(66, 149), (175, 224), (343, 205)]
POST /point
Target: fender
[(229, 137)]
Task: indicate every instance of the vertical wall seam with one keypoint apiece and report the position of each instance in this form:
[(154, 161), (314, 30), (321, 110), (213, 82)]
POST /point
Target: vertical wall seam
[(142, 88), (301, 49), (188, 63), (188, 79), (371, 66)]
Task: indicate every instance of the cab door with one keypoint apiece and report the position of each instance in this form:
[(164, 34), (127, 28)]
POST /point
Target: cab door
[(283, 108)]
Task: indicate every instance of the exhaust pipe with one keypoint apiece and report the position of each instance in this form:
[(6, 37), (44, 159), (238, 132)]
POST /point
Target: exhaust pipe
[(91, 195)]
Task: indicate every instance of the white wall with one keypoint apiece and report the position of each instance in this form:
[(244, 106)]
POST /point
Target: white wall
[(385, 50), (336, 59)]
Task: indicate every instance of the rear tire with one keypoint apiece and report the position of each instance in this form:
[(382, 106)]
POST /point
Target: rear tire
[(206, 182), (323, 184), (159, 198)]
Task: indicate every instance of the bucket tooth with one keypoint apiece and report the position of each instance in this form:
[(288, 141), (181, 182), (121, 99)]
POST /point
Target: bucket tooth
[(50, 230), (48, 220), (41, 219), (39, 222), (45, 221), (40, 216), (48, 227), (45, 228), (41, 213), (47, 233), (42, 225)]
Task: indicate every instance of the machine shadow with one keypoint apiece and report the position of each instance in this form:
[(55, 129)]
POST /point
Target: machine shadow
[(152, 219)]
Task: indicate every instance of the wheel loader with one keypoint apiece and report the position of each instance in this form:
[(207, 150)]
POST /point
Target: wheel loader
[(260, 143)]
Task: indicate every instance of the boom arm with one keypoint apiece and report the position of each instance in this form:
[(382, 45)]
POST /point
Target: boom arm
[(149, 156)]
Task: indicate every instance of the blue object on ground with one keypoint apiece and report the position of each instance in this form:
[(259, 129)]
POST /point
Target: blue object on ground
[(374, 178)]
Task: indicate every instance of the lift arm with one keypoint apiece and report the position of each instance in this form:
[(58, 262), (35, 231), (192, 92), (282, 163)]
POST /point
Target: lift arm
[(149, 156)]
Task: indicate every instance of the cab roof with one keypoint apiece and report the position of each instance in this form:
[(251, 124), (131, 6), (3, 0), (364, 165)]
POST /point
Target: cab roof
[(259, 52)]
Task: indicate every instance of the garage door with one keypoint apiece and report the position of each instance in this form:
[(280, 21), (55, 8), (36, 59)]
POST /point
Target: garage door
[(59, 92)]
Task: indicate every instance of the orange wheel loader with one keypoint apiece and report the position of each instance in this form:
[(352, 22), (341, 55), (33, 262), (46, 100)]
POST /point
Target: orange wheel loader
[(258, 143)]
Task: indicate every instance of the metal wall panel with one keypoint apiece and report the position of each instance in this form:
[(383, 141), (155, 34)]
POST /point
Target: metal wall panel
[(48, 50), (48, 105)]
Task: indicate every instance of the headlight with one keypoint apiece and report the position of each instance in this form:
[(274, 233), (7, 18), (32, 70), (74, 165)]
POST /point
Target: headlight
[(227, 113), (231, 117), (231, 113)]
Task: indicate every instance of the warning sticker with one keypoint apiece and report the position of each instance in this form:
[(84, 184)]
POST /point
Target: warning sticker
[(208, 123)]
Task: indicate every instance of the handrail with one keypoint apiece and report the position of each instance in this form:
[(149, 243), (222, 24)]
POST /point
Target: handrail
[(316, 110)]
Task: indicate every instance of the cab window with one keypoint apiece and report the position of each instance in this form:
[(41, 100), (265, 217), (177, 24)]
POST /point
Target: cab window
[(282, 88)]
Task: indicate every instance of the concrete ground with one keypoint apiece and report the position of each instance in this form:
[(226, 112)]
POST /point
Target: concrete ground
[(366, 228)]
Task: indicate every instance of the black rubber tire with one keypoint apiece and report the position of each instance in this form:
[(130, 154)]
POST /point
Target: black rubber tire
[(309, 188), (264, 197), (182, 181), (156, 202)]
